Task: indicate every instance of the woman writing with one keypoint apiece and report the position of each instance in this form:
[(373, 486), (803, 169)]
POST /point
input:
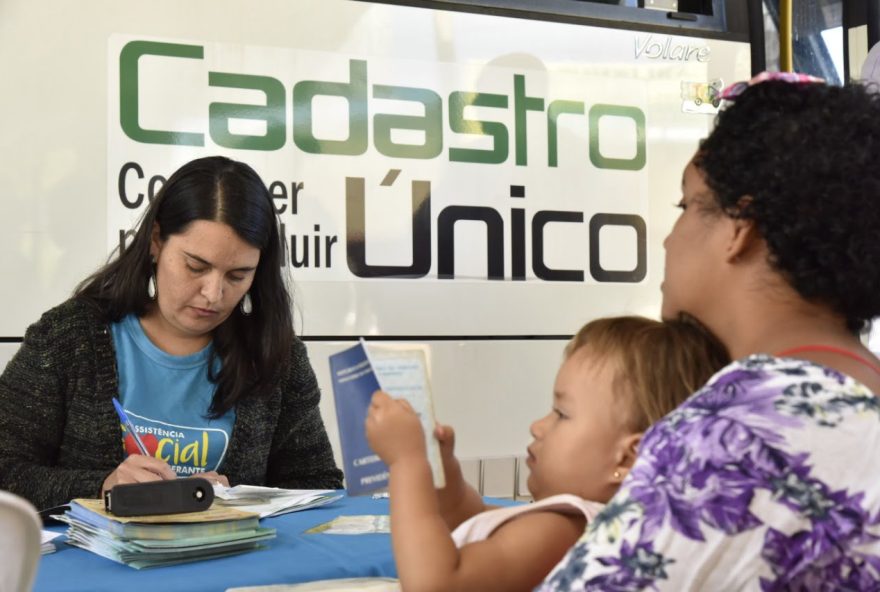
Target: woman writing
[(766, 478), (190, 328)]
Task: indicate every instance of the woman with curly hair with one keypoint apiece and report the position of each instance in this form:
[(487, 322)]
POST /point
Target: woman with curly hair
[(767, 477)]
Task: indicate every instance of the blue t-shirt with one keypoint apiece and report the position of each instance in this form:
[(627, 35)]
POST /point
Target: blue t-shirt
[(167, 397)]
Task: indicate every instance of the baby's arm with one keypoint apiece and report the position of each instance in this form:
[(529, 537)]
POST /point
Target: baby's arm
[(458, 500), (516, 557)]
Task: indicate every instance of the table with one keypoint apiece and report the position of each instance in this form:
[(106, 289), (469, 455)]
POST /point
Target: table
[(291, 557)]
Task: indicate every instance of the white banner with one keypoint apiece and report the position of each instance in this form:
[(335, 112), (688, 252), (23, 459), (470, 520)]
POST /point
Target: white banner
[(427, 175)]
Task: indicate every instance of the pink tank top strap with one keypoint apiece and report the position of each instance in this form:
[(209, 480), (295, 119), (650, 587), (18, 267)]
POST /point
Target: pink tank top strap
[(831, 349)]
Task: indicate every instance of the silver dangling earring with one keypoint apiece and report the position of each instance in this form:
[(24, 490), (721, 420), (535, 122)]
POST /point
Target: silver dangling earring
[(247, 307), (151, 286)]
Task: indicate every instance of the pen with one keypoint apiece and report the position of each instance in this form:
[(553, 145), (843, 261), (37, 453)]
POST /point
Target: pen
[(128, 426)]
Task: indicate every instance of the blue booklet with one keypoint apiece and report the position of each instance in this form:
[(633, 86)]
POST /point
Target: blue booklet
[(357, 373)]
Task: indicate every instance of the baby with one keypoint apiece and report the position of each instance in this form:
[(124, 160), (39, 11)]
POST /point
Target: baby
[(619, 375)]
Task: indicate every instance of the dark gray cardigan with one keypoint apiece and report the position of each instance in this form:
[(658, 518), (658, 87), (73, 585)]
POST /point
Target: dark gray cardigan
[(60, 436)]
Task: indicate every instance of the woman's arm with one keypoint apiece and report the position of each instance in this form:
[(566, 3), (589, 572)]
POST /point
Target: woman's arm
[(51, 442), (516, 557), (301, 456)]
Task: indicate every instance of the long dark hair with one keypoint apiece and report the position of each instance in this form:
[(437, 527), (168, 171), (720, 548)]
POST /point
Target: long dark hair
[(252, 349)]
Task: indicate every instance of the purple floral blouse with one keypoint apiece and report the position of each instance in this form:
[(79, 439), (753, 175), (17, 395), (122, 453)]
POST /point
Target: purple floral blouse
[(768, 478)]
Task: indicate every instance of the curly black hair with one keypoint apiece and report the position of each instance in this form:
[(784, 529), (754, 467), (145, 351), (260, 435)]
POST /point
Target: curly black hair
[(803, 162)]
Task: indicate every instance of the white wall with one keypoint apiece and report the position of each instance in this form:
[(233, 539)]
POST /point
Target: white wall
[(490, 404), (7, 350)]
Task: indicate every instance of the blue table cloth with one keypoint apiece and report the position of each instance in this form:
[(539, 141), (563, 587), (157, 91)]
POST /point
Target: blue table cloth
[(291, 557)]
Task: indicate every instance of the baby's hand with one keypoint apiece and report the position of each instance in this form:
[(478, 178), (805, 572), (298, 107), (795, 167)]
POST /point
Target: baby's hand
[(394, 430), (445, 436), (451, 467)]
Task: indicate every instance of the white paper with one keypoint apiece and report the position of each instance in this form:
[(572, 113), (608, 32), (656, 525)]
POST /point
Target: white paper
[(271, 501), (403, 372)]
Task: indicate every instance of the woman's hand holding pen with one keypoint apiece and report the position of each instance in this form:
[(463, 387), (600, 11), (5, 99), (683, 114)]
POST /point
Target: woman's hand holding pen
[(138, 468)]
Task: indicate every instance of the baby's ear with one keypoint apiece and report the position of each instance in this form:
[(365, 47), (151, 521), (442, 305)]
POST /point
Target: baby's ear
[(627, 452)]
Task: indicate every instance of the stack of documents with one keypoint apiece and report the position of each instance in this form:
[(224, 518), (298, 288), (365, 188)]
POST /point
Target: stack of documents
[(271, 501), (151, 541), (46, 544)]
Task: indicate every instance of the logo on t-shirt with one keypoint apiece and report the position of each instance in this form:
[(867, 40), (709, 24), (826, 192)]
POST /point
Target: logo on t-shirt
[(188, 450)]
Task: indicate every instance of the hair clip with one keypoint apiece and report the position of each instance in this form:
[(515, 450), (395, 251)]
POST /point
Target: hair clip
[(734, 90)]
